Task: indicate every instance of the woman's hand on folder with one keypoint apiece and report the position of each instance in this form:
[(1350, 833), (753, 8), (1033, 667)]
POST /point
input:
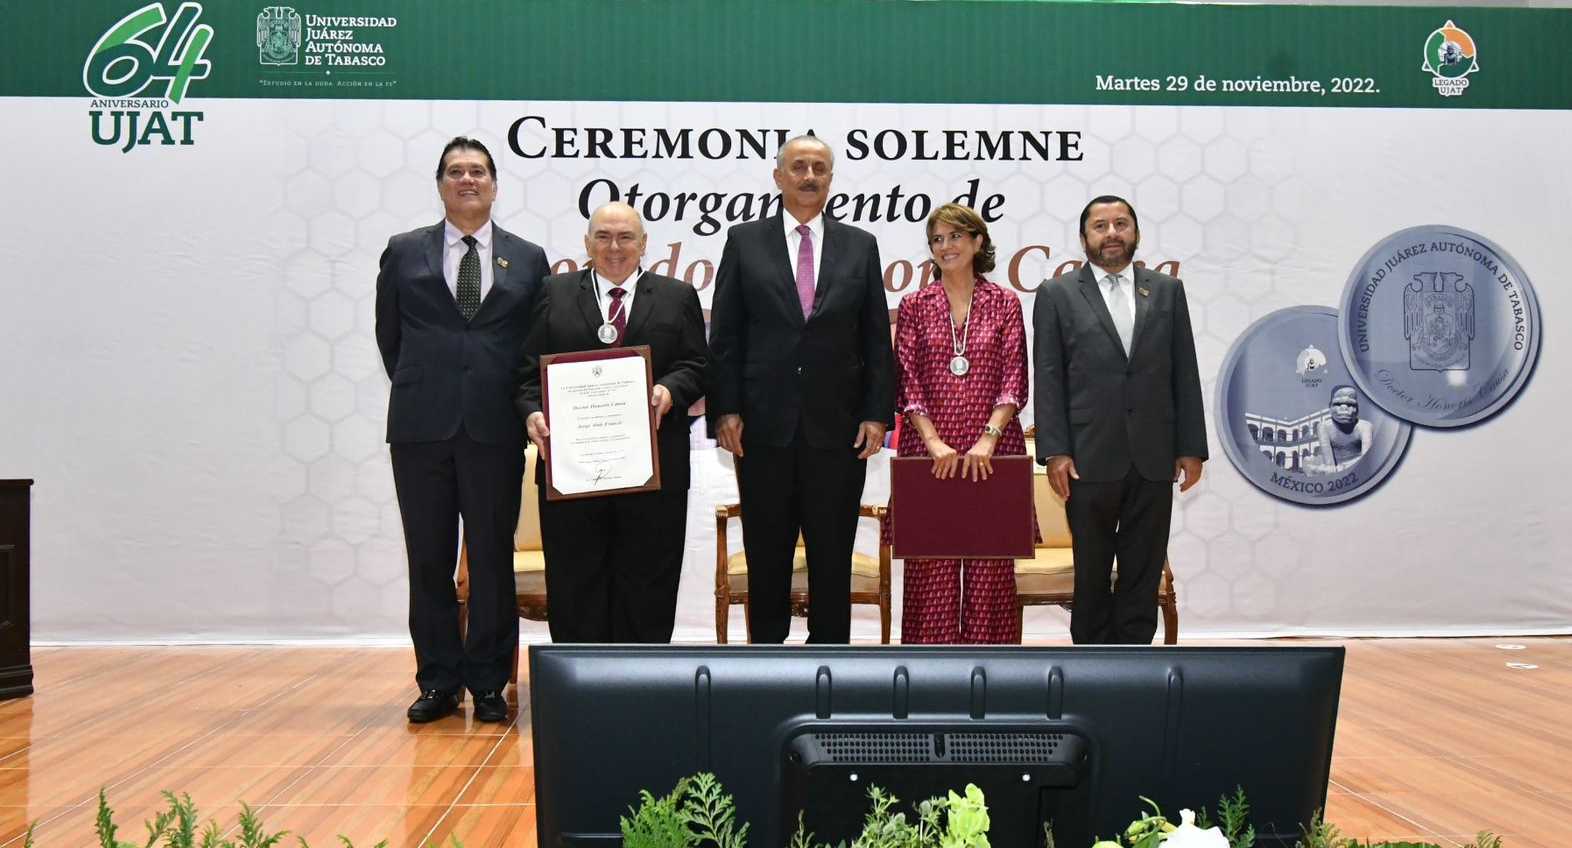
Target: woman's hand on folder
[(977, 464), (945, 459)]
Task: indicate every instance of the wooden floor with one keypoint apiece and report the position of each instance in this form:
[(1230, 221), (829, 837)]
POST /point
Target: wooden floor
[(1436, 739)]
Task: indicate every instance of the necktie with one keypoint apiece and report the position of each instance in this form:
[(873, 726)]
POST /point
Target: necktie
[(805, 269), (618, 316), (1119, 306), (469, 281)]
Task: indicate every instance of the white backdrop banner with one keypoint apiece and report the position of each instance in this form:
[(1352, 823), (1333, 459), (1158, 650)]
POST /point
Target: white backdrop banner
[(190, 373)]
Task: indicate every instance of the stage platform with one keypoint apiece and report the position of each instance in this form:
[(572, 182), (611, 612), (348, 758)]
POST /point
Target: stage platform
[(1436, 739)]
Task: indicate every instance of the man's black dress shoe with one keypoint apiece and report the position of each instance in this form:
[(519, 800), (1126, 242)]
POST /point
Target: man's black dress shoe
[(491, 706), (432, 705)]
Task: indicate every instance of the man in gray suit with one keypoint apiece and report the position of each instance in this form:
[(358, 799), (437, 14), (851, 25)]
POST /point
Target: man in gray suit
[(1119, 420), (453, 307)]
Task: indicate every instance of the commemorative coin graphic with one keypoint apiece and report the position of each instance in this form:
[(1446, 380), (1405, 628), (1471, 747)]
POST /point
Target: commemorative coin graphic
[(1439, 326), (1292, 419)]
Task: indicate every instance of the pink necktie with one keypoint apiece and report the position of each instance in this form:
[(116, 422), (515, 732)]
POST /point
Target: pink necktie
[(805, 269), (619, 313)]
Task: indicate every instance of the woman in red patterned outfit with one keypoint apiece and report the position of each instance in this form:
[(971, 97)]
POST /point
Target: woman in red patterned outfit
[(961, 377)]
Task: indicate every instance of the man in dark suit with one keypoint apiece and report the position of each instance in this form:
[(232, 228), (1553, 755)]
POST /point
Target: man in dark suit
[(800, 354), (1119, 419), (453, 303), (613, 561)]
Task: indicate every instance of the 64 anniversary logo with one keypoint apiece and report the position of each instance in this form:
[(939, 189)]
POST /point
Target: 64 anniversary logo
[(140, 68)]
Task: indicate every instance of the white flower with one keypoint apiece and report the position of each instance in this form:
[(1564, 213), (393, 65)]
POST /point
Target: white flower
[(1187, 835)]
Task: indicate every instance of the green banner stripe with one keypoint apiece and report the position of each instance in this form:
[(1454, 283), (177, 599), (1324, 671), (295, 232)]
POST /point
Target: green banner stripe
[(944, 51), (145, 19)]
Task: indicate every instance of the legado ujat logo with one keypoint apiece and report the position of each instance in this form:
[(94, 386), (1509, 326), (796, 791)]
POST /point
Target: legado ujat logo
[(1450, 56), (139, 68)]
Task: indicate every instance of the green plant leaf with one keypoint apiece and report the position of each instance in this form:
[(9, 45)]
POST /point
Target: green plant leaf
[(967, 822), (656, 822), (711, 814), (1320, 833)]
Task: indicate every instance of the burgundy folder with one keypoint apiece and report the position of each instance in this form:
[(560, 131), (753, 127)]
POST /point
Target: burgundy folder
[(961, 519)]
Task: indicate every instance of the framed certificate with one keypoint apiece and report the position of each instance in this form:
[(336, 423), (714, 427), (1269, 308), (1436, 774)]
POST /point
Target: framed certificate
[(597, 405), (959, 518)]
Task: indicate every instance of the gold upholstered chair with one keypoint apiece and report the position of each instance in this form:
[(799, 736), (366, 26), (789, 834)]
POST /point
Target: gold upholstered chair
[(870, 581), (1048, 578)]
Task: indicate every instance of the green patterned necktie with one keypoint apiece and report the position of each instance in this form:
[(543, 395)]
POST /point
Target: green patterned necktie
[(469, 281)]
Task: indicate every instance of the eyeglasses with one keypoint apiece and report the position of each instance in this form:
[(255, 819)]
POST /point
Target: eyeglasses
[(620, 239), (938, 240)]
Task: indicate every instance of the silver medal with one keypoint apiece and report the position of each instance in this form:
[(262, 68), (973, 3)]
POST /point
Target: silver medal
[(1439, 326), (959, 364), (607, 332), (1290, 417)]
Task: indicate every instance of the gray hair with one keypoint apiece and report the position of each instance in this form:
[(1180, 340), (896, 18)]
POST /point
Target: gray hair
[(613, 206), (780, 155)]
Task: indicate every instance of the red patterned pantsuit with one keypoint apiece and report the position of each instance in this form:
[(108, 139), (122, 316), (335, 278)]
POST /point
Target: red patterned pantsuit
[(954, 601)]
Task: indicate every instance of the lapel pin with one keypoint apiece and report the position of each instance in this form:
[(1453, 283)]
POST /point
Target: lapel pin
[(502, 262), (1145, 292)]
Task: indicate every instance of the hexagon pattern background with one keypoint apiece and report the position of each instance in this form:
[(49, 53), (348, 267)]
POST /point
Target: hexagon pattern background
[(1237, 197)]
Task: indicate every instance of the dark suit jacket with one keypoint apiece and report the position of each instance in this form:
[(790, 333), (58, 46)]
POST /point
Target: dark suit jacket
[(828, 373), (666, 316), (1104, 409), (447, 372)]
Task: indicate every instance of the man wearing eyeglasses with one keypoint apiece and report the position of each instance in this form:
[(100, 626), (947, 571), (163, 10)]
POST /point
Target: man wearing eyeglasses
[(613, 561), (802, 389), (453, 305)]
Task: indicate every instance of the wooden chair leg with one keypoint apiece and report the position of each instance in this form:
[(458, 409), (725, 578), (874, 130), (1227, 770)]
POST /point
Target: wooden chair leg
[(722, 618), (515, 678), (1171, 619), (885, 594)]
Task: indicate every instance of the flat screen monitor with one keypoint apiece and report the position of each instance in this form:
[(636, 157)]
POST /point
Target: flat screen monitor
[(1068, 736)]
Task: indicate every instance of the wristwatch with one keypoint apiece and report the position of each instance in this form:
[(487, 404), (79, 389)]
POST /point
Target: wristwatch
[(990, 430)]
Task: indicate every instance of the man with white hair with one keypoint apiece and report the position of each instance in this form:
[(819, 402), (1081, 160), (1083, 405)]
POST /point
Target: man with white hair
[(802, 388), (613, 561)]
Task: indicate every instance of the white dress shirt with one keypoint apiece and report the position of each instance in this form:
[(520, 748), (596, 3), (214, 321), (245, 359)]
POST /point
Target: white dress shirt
[(1126, 287), (453, 251), (794, 240), (603, 289)]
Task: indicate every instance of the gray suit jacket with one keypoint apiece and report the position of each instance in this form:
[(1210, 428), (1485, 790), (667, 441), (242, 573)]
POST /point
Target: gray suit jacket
[(448, 372), (1105, 409)]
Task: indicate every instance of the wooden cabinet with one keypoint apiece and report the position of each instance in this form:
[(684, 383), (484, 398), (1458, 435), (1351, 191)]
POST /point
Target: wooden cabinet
[(16, 666)]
